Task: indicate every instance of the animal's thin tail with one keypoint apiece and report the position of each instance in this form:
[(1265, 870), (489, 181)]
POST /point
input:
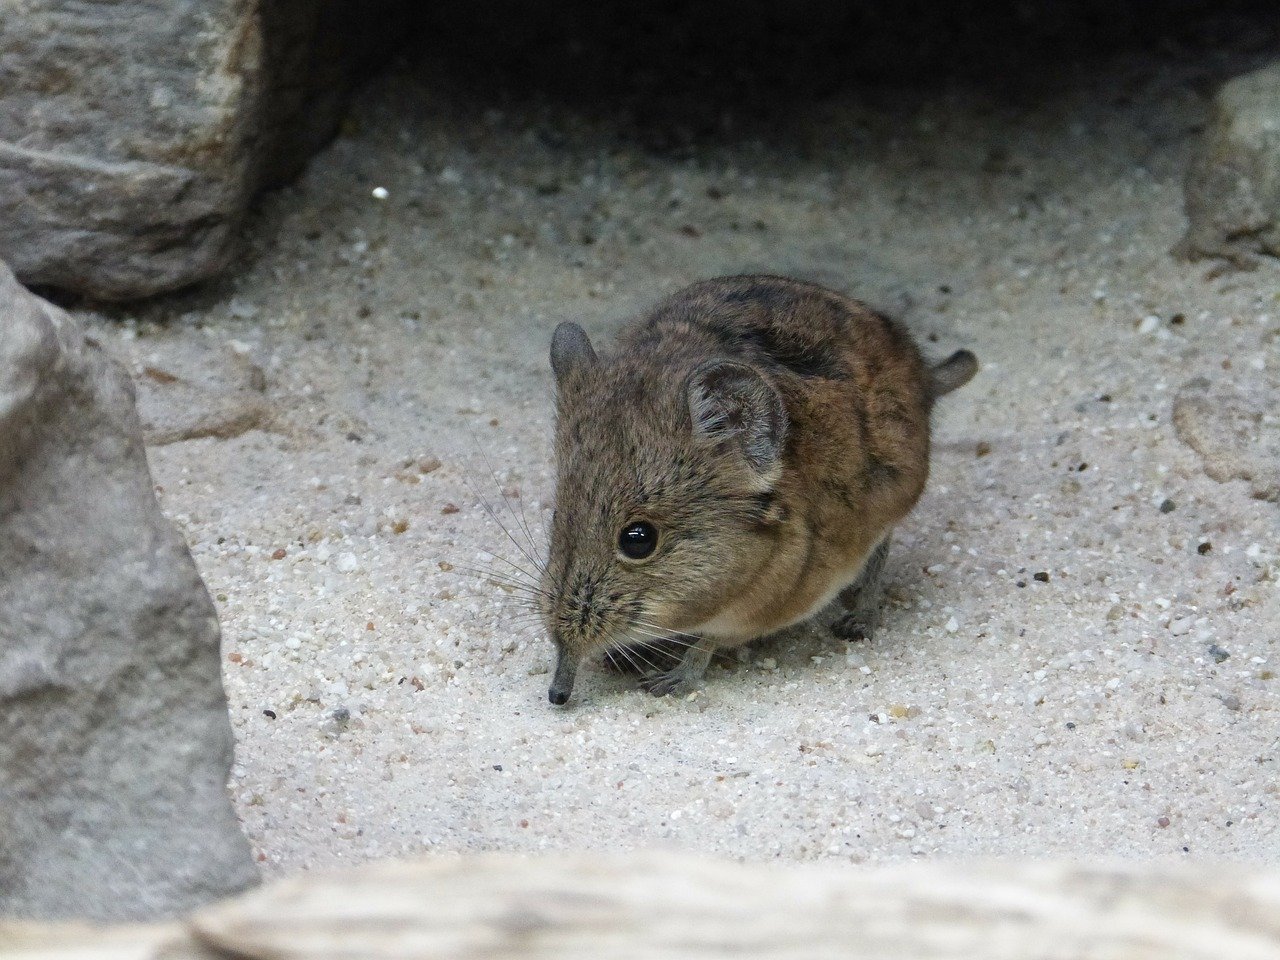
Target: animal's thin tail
[(952, 373)]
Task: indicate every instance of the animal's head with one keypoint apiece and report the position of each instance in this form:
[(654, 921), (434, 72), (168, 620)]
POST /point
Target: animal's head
[(664, 495)]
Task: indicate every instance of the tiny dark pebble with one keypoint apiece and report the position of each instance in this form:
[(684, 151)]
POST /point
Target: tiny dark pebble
[(982, 449), (1168, 506), (1162, 822), (1105, 398), (944, 288), (1042, 576), (1218, 653), (1022, 583), (1071, 725), (1178, 319), (449, 508), (498, 767), (689, 230), (341, 714), (279, 554), (355, 437), (1186, 849), (1083, 467), (715, 193), (362, 311), (269, 714), (1204, 548)]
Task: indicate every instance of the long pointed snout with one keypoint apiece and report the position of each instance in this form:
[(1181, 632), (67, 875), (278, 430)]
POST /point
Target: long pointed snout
[(562, 682)]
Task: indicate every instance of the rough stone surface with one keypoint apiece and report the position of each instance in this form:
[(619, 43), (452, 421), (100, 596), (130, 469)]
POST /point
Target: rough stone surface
[(115, 746), (129, 175), (1236, 431), (1233, 188)]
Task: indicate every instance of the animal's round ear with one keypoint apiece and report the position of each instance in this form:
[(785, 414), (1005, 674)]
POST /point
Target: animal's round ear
[(570, 348), (732, 401)]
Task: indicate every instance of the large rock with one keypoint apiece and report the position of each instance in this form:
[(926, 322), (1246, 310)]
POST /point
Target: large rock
[(133, 135), (115, 745), (1233, 187)]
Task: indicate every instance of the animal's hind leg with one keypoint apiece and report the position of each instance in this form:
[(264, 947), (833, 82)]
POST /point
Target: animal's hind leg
[(861, 599)]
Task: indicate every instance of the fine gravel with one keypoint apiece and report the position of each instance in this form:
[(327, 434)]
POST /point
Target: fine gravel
[(1079, 646)]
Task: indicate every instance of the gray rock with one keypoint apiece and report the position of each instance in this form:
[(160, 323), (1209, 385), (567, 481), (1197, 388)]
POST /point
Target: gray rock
[(115, 745), (129, 154), (125, 160), (1236, 431), (1233, 187)]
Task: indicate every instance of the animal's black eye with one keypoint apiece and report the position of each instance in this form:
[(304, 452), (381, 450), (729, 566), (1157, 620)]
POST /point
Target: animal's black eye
[(637, 540)]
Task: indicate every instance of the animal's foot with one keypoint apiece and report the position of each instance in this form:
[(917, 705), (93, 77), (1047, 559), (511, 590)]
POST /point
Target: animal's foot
[(678, 682), (851, 626)]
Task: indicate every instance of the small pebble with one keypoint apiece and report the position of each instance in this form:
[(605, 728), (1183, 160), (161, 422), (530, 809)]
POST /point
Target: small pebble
[(1168, 506), (347, 563), (449, 508), (1218, 653), (952, 625), (279, 554), (1204, 548), (380, 193), (1042, 576), (1230, 701)]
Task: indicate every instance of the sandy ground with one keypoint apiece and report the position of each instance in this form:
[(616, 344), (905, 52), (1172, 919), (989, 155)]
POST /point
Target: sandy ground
[(1063, 669)]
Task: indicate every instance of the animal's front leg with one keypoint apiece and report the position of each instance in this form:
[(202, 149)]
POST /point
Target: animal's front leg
[(684, 676)]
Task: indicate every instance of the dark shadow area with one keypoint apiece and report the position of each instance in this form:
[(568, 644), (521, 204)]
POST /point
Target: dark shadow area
[(680, 73)]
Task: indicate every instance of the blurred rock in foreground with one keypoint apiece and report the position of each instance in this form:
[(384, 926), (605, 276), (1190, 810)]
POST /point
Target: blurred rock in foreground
[(115, 746)]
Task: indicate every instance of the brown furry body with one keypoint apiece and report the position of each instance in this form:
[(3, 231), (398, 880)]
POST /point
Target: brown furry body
[(770, 432)]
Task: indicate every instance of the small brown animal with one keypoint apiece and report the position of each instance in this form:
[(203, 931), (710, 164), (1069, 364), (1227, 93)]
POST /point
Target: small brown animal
[(733, 466)]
